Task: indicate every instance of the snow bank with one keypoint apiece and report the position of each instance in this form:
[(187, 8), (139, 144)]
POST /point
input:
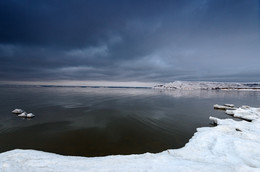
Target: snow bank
[(195, 85), (230, 146)]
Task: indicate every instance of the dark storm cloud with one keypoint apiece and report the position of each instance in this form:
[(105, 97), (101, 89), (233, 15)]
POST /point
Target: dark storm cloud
[(129, 40)]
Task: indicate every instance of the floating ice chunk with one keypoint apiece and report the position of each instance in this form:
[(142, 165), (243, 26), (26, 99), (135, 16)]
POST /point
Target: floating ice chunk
[(30, 115), (245, 107), (229, 112), (223, 107), (215, 120), (229, 105), (24, 114), (17, 111), (246, 112)]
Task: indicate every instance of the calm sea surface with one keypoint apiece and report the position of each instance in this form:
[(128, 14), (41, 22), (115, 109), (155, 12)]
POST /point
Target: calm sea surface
[(106, 121)]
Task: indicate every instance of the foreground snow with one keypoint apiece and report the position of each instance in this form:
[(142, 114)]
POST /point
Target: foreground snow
[(195, 85), (230, 146)]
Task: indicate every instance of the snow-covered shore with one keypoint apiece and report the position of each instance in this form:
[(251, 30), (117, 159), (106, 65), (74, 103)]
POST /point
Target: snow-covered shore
[(230, 146), (196, 85)]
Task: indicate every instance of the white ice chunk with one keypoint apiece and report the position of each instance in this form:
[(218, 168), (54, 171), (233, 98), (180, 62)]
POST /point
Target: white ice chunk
[(247, 113), (24, 114), (30, 115), (229, 105), (215, 120), (229, 112), (17, 111), (223, 107)]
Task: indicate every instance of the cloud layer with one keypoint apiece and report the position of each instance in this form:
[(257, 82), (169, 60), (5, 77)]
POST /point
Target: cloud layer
[(119, 40)]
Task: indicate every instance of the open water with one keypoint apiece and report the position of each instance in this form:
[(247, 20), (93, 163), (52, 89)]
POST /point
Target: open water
[(88, 121)]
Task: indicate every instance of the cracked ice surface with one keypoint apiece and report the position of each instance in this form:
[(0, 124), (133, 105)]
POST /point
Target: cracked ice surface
[(230, 146)]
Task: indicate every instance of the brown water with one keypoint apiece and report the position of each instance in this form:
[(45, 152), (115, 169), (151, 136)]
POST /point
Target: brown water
[(105, 121)]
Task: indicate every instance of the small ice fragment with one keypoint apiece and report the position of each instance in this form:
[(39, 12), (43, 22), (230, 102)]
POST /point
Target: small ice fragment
[(230, 112), (245, 107), (24, 114), (215, 120), (223, 107), (216, 106), (229, 105), (30, 115), (17, 111)]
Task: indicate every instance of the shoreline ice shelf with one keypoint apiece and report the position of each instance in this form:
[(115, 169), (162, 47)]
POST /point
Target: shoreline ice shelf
[(229, 146)]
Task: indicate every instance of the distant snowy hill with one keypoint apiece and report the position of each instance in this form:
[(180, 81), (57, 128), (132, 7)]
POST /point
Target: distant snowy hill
[(196, 85)]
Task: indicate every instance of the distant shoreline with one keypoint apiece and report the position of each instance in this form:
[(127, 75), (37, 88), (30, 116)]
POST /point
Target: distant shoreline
[(186, 85), (68, 86)]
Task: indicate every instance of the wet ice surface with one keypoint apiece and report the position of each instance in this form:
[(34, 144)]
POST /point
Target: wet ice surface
[(230, 146)]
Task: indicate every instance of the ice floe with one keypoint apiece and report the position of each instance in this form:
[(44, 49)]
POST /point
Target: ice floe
[(229, 105), (196, 85), (248, 113), (30, 115), (224, 107), (17, 111), (26, 115), (229, 146), (22, 113)]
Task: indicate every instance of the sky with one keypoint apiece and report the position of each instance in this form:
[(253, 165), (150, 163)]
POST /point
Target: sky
[(134, 41)]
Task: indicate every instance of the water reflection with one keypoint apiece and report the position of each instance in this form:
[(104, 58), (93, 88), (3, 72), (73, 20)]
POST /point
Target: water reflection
[(208, 93), (103, 121)]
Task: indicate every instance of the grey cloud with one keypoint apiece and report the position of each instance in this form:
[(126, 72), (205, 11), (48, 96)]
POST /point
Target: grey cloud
[(129, 40)]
